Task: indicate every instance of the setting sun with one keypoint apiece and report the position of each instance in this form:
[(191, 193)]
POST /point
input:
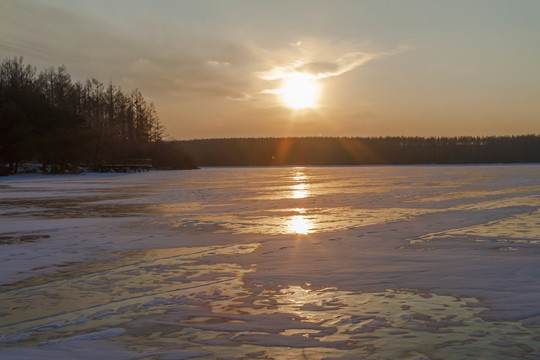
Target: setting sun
[(300, 91)]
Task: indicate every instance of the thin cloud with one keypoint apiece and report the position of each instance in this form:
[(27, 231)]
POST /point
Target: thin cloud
[(346, 63), (320, 69), (216, 63)]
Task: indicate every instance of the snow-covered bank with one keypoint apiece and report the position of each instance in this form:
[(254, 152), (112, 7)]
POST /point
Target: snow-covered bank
[(327, 262)]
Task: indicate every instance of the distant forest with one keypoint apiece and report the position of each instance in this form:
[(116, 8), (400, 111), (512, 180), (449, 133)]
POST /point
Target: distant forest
[(47, 118), (364, 151)]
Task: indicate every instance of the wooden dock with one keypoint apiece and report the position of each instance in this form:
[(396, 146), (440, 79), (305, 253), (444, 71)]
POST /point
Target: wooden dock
[(128, 166)]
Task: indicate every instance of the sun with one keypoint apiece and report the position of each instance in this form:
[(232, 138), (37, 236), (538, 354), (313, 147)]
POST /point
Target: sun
[(300, 91)]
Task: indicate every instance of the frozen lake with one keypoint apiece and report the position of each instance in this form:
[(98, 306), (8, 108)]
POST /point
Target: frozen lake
[(381, 262)]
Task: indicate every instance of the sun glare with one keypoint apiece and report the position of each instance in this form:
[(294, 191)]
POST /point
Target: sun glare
[(300, 91), (299, 224)]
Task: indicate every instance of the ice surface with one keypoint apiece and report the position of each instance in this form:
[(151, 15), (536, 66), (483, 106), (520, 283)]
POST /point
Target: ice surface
[(103, 334), (408, 262), (82, 350)]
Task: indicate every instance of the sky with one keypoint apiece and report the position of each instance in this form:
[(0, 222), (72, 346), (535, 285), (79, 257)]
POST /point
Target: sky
[(253, 68)]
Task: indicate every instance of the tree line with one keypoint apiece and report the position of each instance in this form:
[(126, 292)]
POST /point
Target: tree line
[(48, 118), (364, 151)]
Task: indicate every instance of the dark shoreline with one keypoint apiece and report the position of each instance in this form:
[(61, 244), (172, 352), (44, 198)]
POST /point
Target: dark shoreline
[(339, 151)]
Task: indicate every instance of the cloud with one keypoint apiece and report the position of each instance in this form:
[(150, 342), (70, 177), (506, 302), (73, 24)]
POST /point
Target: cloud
[(51, 36), (345, 63), (310, 61), (163, 59), (322, 69), (187, 76), (216, 63)]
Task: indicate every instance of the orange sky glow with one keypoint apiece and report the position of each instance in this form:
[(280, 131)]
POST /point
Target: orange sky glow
[(236, 68)]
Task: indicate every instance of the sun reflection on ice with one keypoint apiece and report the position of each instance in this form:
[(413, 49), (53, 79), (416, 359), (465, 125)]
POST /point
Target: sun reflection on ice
[(299, 175), (300, 224), (300, 189)]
